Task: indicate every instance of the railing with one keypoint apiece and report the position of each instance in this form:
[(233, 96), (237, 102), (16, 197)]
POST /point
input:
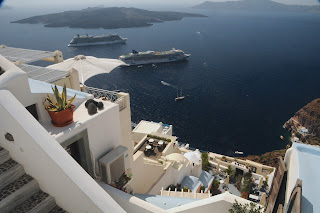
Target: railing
[(107, 95), (120, 102)]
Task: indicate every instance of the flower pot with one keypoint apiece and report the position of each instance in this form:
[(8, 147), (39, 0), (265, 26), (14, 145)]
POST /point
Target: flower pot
[(62, 118)]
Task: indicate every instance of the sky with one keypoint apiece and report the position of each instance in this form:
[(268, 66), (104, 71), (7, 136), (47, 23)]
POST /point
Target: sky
[(129, 3)]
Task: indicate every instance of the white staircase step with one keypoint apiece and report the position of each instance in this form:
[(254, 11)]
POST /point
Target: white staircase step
[(17, 192), (4, 156), (9, 172), (40, 202)]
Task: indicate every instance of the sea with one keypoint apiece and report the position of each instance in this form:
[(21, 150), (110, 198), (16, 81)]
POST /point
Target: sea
[(248, 73)]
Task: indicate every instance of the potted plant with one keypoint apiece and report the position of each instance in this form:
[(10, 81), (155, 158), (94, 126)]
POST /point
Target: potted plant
[(61, 111)]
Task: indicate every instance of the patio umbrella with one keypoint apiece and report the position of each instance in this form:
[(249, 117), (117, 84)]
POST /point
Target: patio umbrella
[(194, 157), (88, 66), (263, 199), (227, 180), (261, 182)]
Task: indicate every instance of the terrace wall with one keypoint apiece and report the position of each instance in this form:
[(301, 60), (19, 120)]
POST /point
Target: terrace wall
[(145, 175), (171, 176), (219, 203), (43, 158)]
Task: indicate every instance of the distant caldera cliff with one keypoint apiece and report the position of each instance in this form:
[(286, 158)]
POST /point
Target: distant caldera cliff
[(305, 124), (107, 18), (262, 5), (304, 127)]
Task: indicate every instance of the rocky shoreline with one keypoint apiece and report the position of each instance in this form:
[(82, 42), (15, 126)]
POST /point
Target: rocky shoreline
[(304, 127), (268, 158)]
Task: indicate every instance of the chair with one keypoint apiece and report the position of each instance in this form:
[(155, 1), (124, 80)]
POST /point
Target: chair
[(147, 152)]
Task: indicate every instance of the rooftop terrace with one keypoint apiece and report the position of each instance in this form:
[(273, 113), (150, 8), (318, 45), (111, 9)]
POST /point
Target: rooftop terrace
[(153, 147)]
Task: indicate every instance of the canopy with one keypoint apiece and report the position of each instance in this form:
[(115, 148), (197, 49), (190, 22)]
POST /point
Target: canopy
[(88, 66), (194, 157), (24, 55)]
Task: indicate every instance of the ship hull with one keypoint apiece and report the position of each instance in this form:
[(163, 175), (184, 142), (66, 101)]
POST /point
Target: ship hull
[(98, 43), (156, 61)]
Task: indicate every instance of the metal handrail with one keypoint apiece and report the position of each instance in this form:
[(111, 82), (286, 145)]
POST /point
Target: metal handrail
[(120, 102), (107, 95)]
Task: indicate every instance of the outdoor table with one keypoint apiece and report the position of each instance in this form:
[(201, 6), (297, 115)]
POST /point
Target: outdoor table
[(255, 197), (151, 140), (160, 142), (148, 147)]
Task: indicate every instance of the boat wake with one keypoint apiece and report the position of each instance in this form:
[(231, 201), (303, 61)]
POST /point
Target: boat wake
[(168, 84)]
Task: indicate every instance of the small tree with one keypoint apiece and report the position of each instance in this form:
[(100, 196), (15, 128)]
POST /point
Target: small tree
[(238, 181), (230, 171), (205, 161), (215, 187), (239, 208)]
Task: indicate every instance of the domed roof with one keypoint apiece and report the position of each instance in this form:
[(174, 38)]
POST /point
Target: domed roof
[(176, 157)]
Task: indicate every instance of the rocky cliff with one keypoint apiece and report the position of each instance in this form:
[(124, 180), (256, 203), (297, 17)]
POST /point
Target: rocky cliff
[(269, 158), (308, 117)]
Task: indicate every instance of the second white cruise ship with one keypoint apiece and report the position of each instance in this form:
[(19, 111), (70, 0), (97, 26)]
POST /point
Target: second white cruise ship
[(152, 57), (96, 40)]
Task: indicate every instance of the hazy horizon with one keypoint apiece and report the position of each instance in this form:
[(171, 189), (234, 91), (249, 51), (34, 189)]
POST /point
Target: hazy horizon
[(137, 3)]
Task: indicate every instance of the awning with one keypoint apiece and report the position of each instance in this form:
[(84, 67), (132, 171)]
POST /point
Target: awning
[(25, 55), (43, 74)]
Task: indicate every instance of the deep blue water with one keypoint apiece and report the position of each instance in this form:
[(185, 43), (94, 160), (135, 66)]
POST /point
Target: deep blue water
[(248, 73)]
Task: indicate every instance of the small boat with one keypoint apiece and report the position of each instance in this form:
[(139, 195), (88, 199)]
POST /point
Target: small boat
[(281, 137), (179, 98), (239, 153)]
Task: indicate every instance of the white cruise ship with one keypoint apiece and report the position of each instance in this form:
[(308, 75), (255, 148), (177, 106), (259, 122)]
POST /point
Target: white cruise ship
[(96, 40), (151, 57)]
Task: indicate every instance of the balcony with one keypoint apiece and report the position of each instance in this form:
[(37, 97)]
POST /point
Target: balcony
[(106, 95)]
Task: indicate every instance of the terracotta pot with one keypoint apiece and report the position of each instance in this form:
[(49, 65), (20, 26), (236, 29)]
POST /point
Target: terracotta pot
[(62, 118)]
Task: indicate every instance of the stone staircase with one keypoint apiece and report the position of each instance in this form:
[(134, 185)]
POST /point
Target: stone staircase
[(20, 192)]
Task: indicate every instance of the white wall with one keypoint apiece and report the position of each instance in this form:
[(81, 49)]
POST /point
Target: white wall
[(130, 203), (103, 129), (43, 158), (15, 80), (291, 161), (125, 126), (144, 175), (219, 203), (172, 176)]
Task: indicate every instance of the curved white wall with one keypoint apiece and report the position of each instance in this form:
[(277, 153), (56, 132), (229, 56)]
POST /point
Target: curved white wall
[(44, 159)]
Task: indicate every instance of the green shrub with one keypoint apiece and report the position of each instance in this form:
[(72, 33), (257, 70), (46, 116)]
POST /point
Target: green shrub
[(159, 138), (172, 187), (239, 208), (205, 161)]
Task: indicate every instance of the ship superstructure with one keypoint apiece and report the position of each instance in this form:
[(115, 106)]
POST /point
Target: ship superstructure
[(151, 57), (96, 40)]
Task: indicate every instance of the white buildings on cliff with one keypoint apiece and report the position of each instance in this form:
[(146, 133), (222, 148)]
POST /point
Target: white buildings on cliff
[(98, 163)]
